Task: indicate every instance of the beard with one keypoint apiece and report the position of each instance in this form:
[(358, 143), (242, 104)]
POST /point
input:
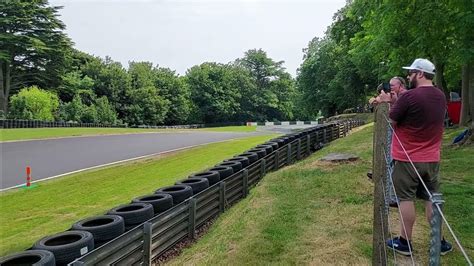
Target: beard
[(412, 84)]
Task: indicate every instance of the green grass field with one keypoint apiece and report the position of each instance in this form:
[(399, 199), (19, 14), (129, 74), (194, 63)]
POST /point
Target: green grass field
[(53, 206), (320, 213), (42, 133)]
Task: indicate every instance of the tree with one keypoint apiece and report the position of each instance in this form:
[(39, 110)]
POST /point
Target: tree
[(105, 112), (146, 108), (174, 89), (214, 94), (33, 48), (34, 103), (274, 90)]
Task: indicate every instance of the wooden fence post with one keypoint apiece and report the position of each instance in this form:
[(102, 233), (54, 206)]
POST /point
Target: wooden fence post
[(192, 218), (380, 225)]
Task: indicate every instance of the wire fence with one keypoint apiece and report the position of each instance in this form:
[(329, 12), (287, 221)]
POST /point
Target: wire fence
[(385, 195)]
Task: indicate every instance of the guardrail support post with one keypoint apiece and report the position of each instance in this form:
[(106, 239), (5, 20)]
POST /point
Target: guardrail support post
[(435, 241), (245, 181), (263, 167), (324, 135), (308, 144), (298, 149), (277, 160), (288, 154), (222, 196), (147, 234), (192, 218)]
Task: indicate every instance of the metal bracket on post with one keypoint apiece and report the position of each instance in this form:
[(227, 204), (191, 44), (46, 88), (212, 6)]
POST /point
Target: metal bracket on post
[(192, 218), (222, 196), (147, 235), (245, 181), (288, 154), (435, 241)]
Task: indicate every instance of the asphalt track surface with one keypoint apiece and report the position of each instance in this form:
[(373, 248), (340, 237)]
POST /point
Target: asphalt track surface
[(49, 158)]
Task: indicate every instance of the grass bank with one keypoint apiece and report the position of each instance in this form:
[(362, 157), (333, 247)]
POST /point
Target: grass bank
[(318, 213), (43, 133), (53, 206)]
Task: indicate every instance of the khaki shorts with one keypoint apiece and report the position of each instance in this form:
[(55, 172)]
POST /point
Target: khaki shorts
[(407, 183)]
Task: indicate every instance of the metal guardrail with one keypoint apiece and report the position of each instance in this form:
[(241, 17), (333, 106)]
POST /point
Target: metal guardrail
[(145, 242)]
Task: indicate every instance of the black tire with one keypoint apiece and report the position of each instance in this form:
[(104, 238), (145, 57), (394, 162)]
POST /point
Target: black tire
[(252, 156), (29, 257), (198, 184), (66, 246), (280, 142), (102, 228), (244, 161), (133, 213), (179, 192), (160, 202), (273, 144), (260, 152), (236, 165), (224, 171), (268, 148), (212, 176)]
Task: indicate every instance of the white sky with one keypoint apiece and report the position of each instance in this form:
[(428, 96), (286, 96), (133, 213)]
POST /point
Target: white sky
[(179, 34)]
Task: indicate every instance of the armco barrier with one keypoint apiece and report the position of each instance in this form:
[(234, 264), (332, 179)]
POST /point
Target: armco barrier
[(154, 237)]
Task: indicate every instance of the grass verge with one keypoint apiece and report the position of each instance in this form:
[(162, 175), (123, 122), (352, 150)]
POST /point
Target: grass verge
[(231, 129), (53, 206), (43, 133), (319, 213)]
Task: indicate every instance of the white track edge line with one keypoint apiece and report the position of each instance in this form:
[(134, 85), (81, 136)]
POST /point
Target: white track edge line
[(117, 162)]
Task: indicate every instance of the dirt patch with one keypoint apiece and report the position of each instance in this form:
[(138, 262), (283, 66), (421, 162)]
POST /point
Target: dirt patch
[(177, 249)]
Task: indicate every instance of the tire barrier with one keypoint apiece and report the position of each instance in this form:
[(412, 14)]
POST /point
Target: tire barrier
[(179, 192), (103, 228), (212, 176), (133, 214), (198, 184), (235, 165), (260, 152), (30, 257), (241, 159), (252, 156), (160, 202), (224, 171), (66, 246), (149, 234), (268, 148)]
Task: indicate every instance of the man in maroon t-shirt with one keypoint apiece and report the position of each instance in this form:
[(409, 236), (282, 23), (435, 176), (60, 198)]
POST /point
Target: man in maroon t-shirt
[(417, 117)]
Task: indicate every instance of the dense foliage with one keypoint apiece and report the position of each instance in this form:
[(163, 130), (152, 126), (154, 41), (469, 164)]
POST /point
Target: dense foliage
[(369, 42)]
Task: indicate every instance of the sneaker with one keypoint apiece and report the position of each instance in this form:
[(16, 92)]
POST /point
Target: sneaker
[(446, 247), (397, 245)]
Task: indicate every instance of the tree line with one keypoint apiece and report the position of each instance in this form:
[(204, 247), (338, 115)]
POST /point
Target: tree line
[(43, 77)]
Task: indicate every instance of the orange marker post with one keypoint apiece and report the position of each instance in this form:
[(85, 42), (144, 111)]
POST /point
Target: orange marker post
[(28, 176)]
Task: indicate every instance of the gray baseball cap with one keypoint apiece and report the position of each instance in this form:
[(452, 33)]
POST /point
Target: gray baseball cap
[(423, 65)]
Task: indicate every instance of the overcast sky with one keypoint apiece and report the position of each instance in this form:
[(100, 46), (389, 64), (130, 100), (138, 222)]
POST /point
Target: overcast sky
[(179, 34)]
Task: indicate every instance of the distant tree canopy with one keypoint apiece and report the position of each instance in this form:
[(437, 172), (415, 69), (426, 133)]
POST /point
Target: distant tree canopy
[(367, 43)]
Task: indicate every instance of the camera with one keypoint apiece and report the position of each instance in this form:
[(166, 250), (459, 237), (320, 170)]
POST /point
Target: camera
[(385, 87)]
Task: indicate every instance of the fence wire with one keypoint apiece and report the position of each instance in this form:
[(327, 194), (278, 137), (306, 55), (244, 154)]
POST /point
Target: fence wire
[(427, 190)]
